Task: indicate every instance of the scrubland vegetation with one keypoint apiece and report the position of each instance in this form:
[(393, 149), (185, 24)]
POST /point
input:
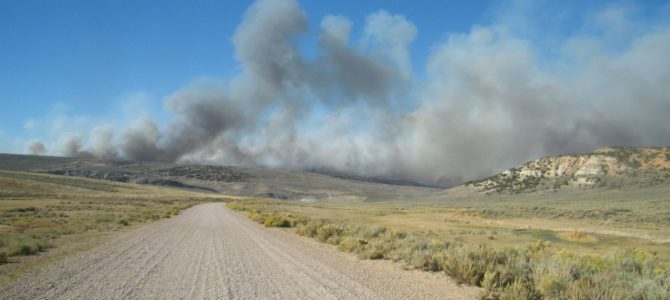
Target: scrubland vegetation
[(607, 240), (60, 215), (540, 267)]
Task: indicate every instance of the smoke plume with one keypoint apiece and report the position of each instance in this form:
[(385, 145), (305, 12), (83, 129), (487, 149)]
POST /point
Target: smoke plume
[(36, 148), (488, 100)]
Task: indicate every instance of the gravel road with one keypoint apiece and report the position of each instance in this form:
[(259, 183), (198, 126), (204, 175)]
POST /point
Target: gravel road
[(210, 252)]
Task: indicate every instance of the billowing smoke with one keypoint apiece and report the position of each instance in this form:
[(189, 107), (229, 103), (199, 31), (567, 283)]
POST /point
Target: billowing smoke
[(71, 146), (488, 100), (36, 148)]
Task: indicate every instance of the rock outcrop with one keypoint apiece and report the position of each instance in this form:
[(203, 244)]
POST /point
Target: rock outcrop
[(614, 167)]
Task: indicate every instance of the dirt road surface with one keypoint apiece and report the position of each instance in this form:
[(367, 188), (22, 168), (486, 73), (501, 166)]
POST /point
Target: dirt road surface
[(210, 252)]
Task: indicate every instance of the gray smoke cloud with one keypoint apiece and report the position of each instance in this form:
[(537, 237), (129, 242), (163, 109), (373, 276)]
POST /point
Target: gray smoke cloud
[(101, 144), (487, 101), (72, 146), (36, 148)]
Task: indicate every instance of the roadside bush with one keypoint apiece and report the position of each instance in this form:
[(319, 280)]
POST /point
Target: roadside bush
[(280, 221), (307, 229), (534, 272), (374, 251), (3, 257), (469, 264), (173, 210), (331, 234), (24, 245), (274, 220), (353, 244), (465, 269), (257, 216), (419, 253), (23, 209), (373, 232), (521, 289), (143, 216)]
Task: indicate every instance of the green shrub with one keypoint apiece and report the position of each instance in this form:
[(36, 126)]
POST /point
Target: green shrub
[(374, 231), (25, 246), (3, 257), (353, 244), (373, 251), (173, 210), (236, 206), (553, 287), (275, 221), (428, 261), (257, 216), (520, 290), (469, 264), (308, 229), (330, 233), (23, 209), (420, 254)]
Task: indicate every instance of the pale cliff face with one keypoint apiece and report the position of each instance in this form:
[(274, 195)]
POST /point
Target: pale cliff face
[(606, 167)]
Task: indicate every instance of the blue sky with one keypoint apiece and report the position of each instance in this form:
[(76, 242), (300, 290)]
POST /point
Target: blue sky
[(85, 57), (71, 64), (87, 54)]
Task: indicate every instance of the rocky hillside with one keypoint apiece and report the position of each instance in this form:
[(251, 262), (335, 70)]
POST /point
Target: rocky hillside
[(609, 167)]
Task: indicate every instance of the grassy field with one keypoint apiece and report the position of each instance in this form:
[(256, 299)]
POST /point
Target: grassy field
[(44, 218), (583, 244), (604, 244)]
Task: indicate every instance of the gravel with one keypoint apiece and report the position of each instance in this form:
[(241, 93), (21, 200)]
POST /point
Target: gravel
[(210, 252)]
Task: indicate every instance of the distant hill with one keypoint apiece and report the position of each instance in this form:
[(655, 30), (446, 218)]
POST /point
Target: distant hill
[(609, 167), (17, 162), (242, 181)]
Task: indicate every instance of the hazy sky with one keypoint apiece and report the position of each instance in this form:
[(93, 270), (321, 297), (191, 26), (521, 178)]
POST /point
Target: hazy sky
[(94, 57), (431, 91)]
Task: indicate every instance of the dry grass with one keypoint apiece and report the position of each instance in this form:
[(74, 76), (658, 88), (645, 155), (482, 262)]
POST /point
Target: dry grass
[(54, 216), (578, 236), (508, 261)]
